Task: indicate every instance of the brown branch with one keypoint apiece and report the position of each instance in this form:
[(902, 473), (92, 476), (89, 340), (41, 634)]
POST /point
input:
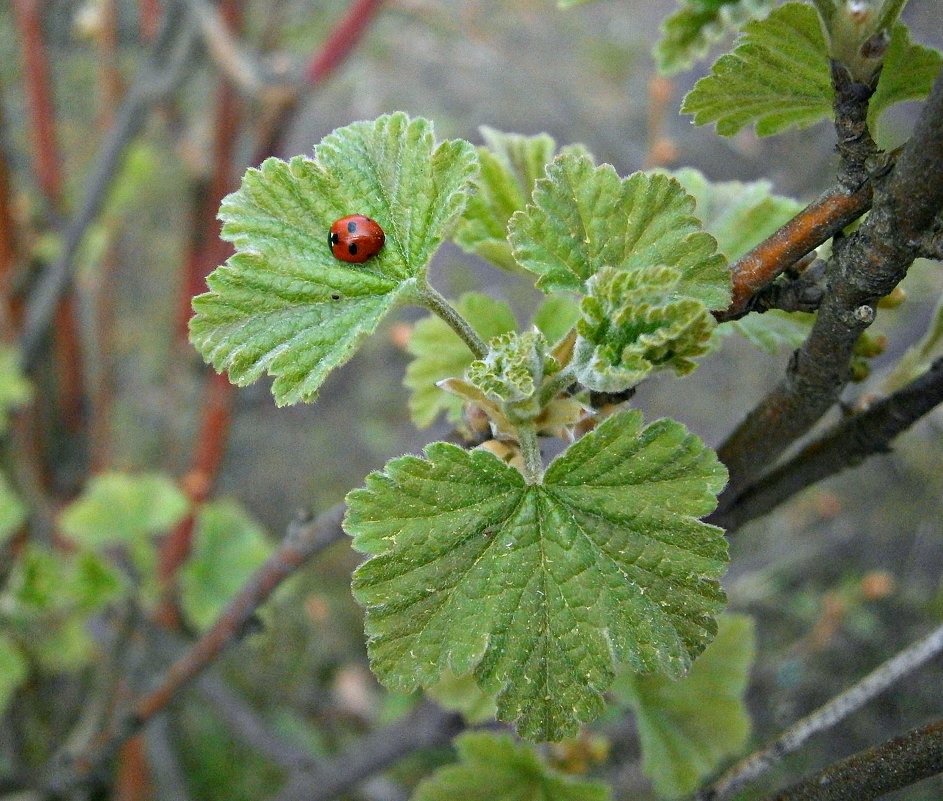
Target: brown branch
[(825, 717), (846, 445), (863, 268), (869, 774), (305, 538)]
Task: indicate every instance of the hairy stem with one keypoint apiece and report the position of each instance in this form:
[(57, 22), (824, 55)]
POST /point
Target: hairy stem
[(530, 450), (556, 384), (429, 298)]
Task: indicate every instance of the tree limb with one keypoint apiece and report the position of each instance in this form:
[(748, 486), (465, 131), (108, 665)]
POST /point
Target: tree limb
[(305, 539), (869, 774), (846, 445), (863, 268), (824, 717)]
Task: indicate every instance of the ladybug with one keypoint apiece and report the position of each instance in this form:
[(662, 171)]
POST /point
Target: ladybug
[(355, 238)]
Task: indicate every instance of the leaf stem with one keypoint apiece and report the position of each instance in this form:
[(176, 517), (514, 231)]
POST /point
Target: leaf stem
[(435, 302), (530, 450)]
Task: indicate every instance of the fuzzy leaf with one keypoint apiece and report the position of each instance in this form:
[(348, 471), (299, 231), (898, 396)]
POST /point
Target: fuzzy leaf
[(538, 589), (690, 726), (495, 767), (439, 353), (12, 510), (771, 331), (908, 74), (634, 322), (777, 77), (584, 218), (510, 164), (555, 316), (283, 305), (14, 670), (694, 28), (15, 390), (513, 368), (462, 694), (228, 546)]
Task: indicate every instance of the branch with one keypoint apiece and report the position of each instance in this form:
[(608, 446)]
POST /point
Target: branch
[(426, 727), (305, 538), (824, 717), (863, 268), (846, 445), (159, 75), (868, 774)]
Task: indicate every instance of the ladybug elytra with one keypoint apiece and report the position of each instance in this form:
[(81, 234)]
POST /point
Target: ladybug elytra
[(355, 238)]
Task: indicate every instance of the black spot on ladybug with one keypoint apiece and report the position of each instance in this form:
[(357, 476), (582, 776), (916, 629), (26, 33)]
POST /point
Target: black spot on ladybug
[(332, 239), (352, 248), (351, 227)]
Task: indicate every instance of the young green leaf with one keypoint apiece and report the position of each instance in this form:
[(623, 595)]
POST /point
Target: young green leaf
[(228, 546), (12, 511), (555, 316), (513, 368), (634, 322), (693, 29), (284, 305), (908, 74), (777, 77), (584, 218), (690, 726), (538, 588), (13, 670), (771, 331), (510, 163), (439, 353), (15, 390), (462, 694), (495, 767)]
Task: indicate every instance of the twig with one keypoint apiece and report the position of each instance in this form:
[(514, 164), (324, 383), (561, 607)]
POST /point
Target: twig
[(814, 225), (305, 538), (824, 717), (863, 268), (846, 445), (426, 727), (159, 75), (168, 773), (869, 774)]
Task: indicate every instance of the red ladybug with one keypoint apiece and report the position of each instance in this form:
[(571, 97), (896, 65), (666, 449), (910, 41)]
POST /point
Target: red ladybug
[(355, 238)]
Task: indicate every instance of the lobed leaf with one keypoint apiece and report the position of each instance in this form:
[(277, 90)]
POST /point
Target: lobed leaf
[(908, 74), (283, 305), (635, 322), (495, 767), (540, 589), (778, 77), (228, 546), (689, 727), (697, 25), (584, 218)]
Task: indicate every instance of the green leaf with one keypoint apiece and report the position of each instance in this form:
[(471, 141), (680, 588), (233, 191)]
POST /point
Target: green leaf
[(510, 164), (919, 356), (539, 588), (635, 322), (15, 390), (462, 694), (771, 331), (697, 25), (495, 767), (12, 510), (584, 218), (439, 353), (118, 508), (283, 305), (738, 215), (778, 77), (908, 74), (555, 316), (513, 368), (228, 547), (690, 726), (14, 670)]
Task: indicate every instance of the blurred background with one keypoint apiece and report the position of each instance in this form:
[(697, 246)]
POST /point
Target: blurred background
[(840, 578)]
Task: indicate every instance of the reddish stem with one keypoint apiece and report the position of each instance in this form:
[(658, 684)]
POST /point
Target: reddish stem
[(148, 18), (342, 40)]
